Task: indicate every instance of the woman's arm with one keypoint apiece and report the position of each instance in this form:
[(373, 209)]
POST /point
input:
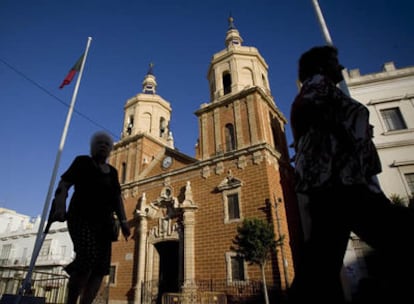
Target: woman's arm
[(120, 213), (58, 211)]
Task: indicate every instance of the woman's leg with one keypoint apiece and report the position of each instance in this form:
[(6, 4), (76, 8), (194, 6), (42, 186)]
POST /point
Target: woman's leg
[(389, 229), (91, 289), (382, 224), (318, 276), (77, 283)]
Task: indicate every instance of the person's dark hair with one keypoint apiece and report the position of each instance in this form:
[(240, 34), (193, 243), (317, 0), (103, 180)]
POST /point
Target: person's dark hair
[(315, 60)]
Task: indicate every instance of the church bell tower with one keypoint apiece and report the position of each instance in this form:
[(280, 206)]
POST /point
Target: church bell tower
[(145, 134), (148, 113), (241, 112)]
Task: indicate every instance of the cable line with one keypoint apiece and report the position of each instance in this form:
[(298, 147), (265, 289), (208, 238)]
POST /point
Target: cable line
[(55, 97)]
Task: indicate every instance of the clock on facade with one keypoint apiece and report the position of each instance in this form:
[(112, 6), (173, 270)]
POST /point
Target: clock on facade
[(167, 161)]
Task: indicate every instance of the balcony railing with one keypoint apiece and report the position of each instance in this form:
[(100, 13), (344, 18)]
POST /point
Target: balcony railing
[(50, 283), (42, 260)]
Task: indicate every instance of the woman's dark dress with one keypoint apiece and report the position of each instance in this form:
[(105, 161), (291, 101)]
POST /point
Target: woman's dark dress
[(89, 214)]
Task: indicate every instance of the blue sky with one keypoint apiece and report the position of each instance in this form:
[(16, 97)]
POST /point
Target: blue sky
[(41, 40)]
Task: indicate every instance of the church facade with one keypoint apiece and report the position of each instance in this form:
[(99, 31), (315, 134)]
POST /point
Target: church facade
[(184, 211)]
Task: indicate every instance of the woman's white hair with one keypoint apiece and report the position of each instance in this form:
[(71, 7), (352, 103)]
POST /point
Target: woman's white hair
[(101, 135)]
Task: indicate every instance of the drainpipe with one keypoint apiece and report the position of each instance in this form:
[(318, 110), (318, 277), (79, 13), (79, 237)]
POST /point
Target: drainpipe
[(279, 231)]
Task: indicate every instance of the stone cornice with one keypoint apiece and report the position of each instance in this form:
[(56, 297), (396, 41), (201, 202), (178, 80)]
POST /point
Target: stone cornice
[(234, 51), (394, 144), (389, 99), (148, 98), (198, 166), (133, 138), (229, 98), (379, 77)]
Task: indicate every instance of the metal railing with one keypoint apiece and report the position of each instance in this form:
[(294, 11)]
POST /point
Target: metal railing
[(209, 292), (50, 284)]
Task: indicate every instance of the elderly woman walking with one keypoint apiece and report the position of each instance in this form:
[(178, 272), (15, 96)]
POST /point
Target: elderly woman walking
[(96, 196)]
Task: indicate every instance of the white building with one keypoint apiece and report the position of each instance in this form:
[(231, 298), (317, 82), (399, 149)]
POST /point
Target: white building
[(389, 96), (17, 238)]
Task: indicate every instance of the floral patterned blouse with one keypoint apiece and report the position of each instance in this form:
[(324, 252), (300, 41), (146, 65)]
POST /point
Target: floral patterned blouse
[(332, 138)]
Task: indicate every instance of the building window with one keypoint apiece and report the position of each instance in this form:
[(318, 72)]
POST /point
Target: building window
[(393, 119), (233, 206), (229, 137), (45, 250), (264, 81), (230, 187), (226, 83), (232, 209), (149, 89), (236, 267), (5, 254), (112, 272), (212, 86), (409, 177), (130, 124), (163, 126), (123, 173)]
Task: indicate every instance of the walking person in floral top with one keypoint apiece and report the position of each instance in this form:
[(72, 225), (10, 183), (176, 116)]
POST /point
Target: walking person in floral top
[(336, 164)]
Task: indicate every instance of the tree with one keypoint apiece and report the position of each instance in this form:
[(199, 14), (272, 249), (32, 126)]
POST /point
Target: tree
[(397, 200), (256, 241)]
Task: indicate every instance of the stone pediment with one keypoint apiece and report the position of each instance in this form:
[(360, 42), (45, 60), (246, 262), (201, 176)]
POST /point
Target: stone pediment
[(230, 182)]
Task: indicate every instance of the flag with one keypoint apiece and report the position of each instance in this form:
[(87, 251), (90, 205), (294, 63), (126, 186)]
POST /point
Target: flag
[(72, 72)]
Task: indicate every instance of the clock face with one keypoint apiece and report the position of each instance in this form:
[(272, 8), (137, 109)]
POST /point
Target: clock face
[(166, 162)]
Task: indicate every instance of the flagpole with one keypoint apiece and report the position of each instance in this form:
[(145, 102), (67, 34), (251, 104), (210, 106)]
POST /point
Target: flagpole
[(342, 85), (40, 234), (322, 22)]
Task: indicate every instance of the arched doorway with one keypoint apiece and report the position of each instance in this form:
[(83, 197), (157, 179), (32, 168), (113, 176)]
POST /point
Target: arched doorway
[(168, 267)]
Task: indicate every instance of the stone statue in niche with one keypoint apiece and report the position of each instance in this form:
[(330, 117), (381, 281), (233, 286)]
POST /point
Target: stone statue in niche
[(166, 212), (165, 226), (164, 222)]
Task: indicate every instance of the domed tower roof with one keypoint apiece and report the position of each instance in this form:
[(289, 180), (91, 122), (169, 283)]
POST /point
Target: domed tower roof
[(148, 113), (236, 68), (233, 37), (149, 84)]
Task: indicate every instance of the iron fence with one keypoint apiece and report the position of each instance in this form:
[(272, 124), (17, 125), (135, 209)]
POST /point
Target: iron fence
[(50, 284), (210, 292)]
